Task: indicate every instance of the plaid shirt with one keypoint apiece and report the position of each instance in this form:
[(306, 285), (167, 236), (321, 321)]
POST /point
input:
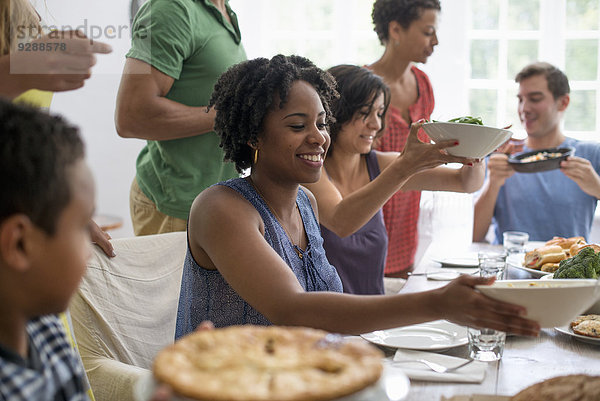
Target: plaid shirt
[(51, 373), (401, 212)]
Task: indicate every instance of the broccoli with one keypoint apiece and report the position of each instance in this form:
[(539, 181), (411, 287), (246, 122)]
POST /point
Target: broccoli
[(586, 264)]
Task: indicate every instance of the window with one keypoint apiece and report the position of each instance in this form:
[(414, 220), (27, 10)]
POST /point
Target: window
[(506, 35), (328, 32), (483, 44)]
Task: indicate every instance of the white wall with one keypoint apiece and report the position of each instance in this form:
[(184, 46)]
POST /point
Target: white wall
[(111, 158)]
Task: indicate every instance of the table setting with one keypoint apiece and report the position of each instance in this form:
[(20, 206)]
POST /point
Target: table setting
[(427, 366), (522, 361), (440, 360)]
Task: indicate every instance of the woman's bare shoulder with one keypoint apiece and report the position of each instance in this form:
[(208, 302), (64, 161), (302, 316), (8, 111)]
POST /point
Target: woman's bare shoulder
[(222, 202)]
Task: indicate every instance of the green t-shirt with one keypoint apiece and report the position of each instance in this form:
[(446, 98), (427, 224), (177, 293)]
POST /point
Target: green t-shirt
[(190, 41)]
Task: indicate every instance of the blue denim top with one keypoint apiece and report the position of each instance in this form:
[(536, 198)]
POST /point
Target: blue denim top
[(205, 295)]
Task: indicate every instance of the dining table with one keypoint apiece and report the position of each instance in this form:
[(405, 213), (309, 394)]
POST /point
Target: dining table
[(526, 360)]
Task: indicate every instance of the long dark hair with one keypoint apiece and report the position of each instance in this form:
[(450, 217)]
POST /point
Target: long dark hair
[(358, 88)]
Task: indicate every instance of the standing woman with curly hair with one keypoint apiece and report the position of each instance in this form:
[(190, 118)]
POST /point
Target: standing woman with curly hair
[(255, 254), (408, 30)]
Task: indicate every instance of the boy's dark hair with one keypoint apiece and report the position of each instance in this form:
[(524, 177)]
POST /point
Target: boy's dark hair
[(358, 88), (36, 149), (244, 94), (558, 83), (402, 11)]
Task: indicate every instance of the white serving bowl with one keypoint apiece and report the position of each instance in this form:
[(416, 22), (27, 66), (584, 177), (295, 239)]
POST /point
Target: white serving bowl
[(476, 141), (551, 303), (594, 309)]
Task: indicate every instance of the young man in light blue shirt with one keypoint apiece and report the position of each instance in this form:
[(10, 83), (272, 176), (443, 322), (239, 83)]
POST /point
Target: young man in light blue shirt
[(552, 203)]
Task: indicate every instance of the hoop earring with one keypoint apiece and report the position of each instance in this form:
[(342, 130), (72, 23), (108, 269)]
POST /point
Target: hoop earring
[(255, 157)]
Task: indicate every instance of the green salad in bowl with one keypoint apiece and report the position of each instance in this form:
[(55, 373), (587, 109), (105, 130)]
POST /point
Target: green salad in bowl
[(475, 140)]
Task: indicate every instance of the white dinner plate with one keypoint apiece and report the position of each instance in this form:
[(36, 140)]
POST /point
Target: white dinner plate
[(436, 335), (516, 261), (392, 386), (457, 261), (443, 276), (568, 331)]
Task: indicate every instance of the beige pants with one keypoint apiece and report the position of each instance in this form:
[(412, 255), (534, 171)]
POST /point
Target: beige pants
[(146, 218)]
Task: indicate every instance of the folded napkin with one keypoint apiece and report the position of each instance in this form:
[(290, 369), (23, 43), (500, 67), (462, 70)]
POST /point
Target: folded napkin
[(471, 373)]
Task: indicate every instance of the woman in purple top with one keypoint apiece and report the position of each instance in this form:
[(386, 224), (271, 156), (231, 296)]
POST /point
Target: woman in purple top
[(352, 192)]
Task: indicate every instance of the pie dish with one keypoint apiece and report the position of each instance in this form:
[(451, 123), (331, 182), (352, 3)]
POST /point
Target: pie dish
[(257, 363), (393, 385)]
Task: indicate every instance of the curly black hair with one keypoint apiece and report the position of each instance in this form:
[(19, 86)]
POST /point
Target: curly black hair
[(358, 88), (402, 11), (36, 151), (244, 93)]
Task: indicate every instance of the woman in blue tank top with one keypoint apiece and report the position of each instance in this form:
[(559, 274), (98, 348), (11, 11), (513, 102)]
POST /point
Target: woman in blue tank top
[(352, 192), (255, 253)]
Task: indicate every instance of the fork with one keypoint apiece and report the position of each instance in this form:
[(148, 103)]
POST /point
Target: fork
[(436, 367)]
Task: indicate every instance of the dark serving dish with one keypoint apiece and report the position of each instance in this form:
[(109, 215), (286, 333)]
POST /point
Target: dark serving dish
[(539, 165)]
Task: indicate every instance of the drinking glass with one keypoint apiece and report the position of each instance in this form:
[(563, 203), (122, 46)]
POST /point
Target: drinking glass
[(492, 263), (515, 241), (486, 344)]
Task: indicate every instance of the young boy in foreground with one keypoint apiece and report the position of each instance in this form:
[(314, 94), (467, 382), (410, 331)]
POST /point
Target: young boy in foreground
[(46, 203)]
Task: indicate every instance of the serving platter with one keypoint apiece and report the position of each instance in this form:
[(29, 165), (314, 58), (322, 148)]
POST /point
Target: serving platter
[(516, 261), (586, 339)]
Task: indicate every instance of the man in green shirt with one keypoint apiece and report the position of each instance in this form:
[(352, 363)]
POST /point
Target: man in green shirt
[(179, 50)]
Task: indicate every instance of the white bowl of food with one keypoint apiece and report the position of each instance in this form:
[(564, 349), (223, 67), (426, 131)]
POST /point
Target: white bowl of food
[(594, 309), (551, 303), (476, 141)]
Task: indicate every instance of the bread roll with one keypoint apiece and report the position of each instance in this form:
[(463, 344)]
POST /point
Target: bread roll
[(550, 267), (545, 254), (555, 240), (565, 243), (576, 248)]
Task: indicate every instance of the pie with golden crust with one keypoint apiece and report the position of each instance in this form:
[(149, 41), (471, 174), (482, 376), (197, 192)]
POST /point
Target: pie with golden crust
[(258, 363), (562, 388)]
